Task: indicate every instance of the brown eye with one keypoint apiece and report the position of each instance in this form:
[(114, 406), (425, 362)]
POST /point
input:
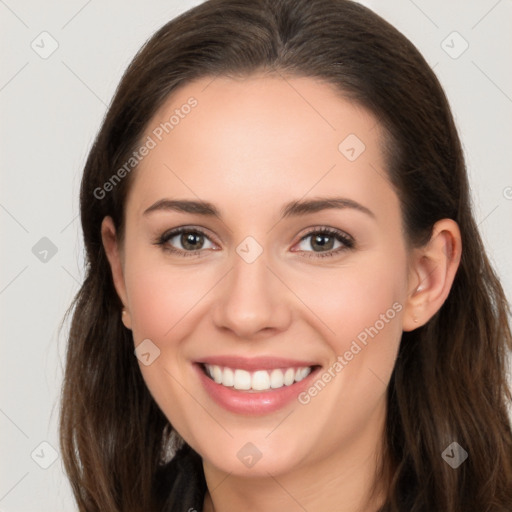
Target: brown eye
[(185, 241), (191, 240), (325, 242)]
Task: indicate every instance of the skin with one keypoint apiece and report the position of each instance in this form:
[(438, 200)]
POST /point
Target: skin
[(250, 146)]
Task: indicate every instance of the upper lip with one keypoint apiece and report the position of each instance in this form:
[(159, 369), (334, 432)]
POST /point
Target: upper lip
[(255, 363)]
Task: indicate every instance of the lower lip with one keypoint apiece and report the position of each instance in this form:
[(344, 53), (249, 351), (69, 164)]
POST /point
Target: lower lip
[(253, 403)]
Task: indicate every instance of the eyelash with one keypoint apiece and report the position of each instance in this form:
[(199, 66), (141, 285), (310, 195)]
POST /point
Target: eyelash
[(347, 241)]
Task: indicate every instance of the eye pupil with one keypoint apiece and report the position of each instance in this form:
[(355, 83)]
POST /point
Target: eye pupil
[(191, 240), (320, 241)]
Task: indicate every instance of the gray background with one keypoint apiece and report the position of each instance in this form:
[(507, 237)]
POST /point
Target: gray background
[(52, 107)]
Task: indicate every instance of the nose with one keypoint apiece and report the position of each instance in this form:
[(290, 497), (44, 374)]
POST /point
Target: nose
[(252, 301)]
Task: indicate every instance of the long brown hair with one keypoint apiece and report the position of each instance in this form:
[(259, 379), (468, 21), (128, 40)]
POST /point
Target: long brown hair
[(449, 383)]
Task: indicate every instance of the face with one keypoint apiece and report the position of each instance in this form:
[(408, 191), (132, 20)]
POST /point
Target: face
[(269, 318)]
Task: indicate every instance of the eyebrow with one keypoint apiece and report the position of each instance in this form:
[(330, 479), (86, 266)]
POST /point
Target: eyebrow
[(291, 209)]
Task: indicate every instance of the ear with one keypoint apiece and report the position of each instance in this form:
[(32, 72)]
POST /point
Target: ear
[(114, 256), (432, 271)]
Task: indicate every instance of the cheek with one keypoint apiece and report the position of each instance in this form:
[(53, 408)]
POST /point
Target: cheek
[(349, 300), (163, 300), (363, 316), (160, 297), (359, 311)]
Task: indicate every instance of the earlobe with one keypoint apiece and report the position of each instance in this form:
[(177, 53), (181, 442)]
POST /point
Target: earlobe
[(433, 270), (113, 253), (126, 319)]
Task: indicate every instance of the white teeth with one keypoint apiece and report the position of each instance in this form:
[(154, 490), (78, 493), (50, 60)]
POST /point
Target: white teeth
[(276, 379), (289, 376), (242, 379), (302, 373), (217, 374), (260, 380), (228, 377)]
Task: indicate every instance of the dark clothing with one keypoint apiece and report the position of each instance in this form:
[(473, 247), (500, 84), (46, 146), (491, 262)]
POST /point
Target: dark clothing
[(181, 486)]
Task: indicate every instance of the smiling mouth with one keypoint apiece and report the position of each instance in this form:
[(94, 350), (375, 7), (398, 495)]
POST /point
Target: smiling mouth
[(256, 381)]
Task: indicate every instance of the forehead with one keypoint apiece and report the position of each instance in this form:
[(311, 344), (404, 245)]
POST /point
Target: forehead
[(260, 138)]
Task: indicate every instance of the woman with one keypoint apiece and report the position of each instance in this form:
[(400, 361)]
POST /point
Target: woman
[(287, 303)]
